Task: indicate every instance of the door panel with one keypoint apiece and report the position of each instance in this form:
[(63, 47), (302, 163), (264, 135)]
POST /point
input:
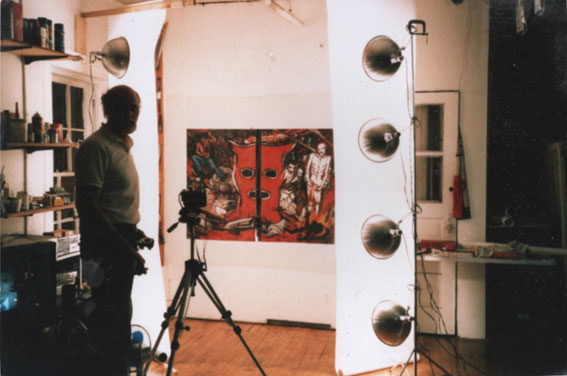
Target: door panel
[(436, 164)]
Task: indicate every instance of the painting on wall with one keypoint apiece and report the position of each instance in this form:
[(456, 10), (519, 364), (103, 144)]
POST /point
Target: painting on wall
[(278, 189)]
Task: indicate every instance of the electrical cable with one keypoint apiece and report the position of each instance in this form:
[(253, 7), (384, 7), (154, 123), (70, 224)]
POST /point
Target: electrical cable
[(92, 103), (438, 323), (440, 320), (456, 355)]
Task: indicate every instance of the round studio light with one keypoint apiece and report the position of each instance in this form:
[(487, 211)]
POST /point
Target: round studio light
[(381, 58), (391, 323), (115, 56), (378, 140), (380, 236)]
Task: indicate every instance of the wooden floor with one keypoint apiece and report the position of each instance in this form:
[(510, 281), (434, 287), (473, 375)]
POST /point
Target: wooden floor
[(211, 348)]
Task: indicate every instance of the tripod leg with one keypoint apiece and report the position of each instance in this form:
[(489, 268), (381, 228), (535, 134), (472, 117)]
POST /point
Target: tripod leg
[(169, 313), (188, 285), (227, 316)]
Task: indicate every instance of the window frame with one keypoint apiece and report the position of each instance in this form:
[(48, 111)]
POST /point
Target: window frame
[(75, 79)]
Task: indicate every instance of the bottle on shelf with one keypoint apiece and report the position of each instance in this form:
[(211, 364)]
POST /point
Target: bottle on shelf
[(55, 133), (38, 130)]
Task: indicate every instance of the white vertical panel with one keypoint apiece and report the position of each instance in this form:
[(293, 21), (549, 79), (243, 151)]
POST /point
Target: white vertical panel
[(366, 188), (142, 31)]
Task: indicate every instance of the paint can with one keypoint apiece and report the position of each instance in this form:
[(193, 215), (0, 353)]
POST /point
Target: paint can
[(59, 37)]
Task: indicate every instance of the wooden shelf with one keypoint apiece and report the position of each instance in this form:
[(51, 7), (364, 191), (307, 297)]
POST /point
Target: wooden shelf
[(30, 147), (32, 53), (42, 210)]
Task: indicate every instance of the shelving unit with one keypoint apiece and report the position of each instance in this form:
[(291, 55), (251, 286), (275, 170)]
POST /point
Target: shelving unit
[(31, 53), (28, 213), (30, 147), (28, 53)]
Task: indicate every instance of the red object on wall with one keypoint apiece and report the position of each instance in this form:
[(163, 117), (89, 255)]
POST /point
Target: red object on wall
[(459, 186), (245, 178), (271, 179)]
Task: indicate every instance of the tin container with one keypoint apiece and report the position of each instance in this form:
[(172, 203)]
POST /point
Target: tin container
[(59, 37), (18, 130)]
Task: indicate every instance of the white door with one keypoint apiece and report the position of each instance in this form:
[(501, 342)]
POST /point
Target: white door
[(436, 165)]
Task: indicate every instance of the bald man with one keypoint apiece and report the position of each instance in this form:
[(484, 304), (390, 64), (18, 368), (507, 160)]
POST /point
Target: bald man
[(108, 201)]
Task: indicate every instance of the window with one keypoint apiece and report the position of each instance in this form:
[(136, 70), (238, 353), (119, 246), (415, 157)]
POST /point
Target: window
[(436, 134), (70, 97), (429, 152)]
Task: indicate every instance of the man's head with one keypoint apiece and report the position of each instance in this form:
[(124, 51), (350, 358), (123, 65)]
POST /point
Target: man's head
[(121, 106), (321, 148)]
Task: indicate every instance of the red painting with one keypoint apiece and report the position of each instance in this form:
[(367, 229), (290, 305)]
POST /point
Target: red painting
[(278, 189)]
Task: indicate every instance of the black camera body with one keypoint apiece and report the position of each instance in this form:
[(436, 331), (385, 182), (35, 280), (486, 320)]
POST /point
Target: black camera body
[(193, 199)]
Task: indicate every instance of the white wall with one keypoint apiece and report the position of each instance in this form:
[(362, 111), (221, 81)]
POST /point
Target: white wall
[(244, 66), (455, 57)]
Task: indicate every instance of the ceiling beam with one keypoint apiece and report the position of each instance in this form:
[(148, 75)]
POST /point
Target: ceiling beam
[(166, 4), (133, 9)]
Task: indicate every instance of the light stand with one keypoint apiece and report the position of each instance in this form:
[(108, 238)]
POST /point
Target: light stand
[(414, 30), (415, 353), (194, 273)]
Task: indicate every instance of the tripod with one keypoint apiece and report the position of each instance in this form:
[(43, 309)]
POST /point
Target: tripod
[(416, 351), (194, 273)]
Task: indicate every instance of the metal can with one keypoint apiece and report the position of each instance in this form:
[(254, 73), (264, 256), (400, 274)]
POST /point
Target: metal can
[(49, 38), (59, 37)]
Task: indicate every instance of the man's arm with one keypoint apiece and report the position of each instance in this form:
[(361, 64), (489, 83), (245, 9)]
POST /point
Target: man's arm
[(89, 209)]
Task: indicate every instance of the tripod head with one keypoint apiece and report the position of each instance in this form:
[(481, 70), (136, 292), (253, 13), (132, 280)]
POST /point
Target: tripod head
[(191, 201)]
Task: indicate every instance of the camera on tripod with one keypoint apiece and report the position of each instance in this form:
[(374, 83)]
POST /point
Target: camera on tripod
[(193, 199)]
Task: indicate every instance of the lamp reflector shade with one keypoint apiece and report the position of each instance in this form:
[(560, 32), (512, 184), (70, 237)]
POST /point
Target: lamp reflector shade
[(391, 323), (380, 236), (381, 58), (378, 140), (115, 56)]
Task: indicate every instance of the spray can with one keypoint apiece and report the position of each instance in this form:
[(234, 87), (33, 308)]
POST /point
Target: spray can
[(49, 38), (42, 32), (37, 122)]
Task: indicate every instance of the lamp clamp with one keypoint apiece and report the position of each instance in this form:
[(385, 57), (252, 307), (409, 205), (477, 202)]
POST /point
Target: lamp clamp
[(417, 27)]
